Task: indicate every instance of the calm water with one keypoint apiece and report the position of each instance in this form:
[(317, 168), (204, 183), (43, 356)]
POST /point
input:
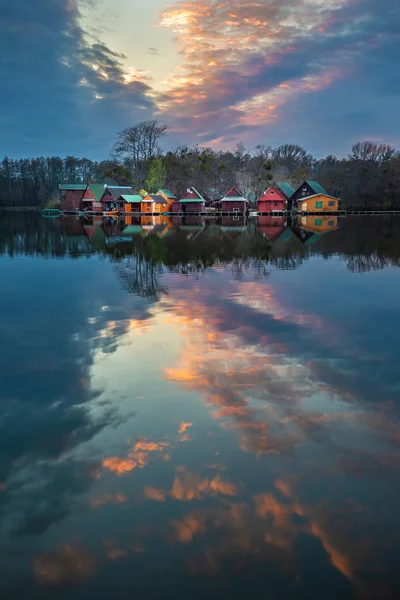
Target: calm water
[(192, 410)]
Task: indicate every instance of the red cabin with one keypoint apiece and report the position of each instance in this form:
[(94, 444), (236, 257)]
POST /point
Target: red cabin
[(275, 199), (232, 202), (71, 196), (192, 202)]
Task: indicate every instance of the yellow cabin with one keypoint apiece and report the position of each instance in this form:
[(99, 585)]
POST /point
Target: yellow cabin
[(169, 197), (154, 204), (318, 203)]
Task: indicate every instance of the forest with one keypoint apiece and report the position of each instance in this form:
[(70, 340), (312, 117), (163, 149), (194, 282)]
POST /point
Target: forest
[(367, 178)]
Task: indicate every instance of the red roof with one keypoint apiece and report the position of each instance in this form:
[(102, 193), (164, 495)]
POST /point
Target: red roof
[(234, 193), (266, 196), (192, 194)]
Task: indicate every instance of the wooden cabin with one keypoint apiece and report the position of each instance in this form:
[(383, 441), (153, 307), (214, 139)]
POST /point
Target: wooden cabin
[(153, 204), (129, 203), (272, 226), (307, 188), (113, 193), (318, 203), (192, 202), (233, 202), (169, 197), (92, 200), (276, 198), (71, 196)]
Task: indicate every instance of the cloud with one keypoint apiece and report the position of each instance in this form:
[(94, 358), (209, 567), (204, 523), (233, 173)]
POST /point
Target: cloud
[(64, 94), (248, 64)]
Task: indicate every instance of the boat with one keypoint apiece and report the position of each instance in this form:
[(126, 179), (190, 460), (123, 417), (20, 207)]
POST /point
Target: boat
[(50, 212)]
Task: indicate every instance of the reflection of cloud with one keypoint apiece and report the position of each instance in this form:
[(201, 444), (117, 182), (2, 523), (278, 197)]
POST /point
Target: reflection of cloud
[(138, 457), (184, 426), (70, 564), (107, 499), (189, 486), (114, 552)]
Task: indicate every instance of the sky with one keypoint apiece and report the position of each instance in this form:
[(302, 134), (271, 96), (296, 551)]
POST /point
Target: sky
[(319, 73)]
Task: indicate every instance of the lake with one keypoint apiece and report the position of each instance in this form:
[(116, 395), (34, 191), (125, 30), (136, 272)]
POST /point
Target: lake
[(199, 409)]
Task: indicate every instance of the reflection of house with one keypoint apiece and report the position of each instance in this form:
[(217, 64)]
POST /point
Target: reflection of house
[(147, 222), (276, 198), (321, 224), (318, 203), (71, 196), (192, 202), (232, 202), (233, 222), (169, 197), (129, 203), (154, 204), (272, 226)]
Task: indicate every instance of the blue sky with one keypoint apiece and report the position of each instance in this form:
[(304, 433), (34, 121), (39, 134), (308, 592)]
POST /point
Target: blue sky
[(315, 72)]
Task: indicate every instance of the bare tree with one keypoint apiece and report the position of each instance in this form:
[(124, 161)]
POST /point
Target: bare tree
[(372, 151), (136, 146)]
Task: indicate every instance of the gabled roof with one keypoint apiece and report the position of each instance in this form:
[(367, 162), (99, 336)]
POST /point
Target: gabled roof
[(316, 196), (98, 190), (118, 190), (157, 198), (317, 187), (286, 188), (192, 195), (277, 188), (233, 194), (73, 186), (131, 199), (167, 193)]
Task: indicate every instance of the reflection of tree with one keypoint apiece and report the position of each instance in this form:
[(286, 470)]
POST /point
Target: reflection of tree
[(367, 243), (140, 276)]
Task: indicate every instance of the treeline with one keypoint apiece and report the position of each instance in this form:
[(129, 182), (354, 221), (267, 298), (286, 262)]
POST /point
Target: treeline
[(369, 177)]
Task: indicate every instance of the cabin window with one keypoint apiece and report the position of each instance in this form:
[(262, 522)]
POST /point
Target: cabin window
[(331, 223), (331, 203), (272, 192), (318, 222), (319, 204), (275, 204)]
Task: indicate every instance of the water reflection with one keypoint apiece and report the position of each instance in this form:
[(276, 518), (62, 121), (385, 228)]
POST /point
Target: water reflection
[(209, 403)]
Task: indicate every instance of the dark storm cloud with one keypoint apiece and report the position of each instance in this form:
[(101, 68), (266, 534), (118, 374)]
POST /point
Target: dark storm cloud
[(60, 94)]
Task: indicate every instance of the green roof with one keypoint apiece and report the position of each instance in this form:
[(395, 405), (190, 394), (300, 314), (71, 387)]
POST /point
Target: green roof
[(198, 200), (98, 190), (132, 230), (167, 193), (73, 186), (317, 187), (132, 199), (314, 238), (286, 188)]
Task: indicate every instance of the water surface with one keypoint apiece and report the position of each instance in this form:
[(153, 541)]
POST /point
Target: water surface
[(191, 408)]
